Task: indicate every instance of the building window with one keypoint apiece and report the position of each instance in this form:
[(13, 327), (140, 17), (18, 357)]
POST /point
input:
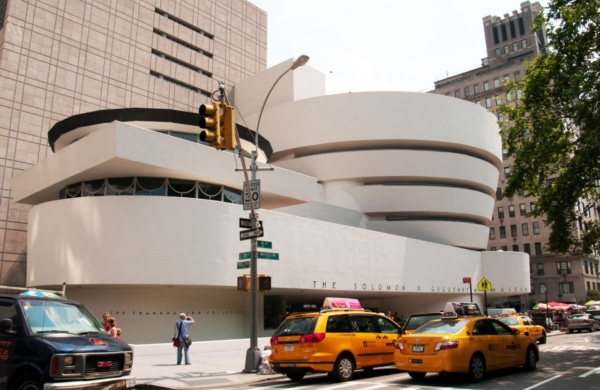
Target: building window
[(486, 86), (500, 117), (566, 287), (538, 248), (492, 233), (521, 193), (467, 92), (511, 210), (513, 230), (496, 83), (589, 287), (488, 102), (532, 289), (505, 154), (532, 206), (542, 287), (525, 229), (519, 94), (522, 209), (502, 232), (500, 213), (585, 265), (509, 97), (515, 248), (540, 269), (536, 227), (527, 248), (506, 51), (504, 248), (457, 94), (493, 248), (498, 193), (498, 52), (515, 46), (498, 100), (476, 88), (478, 102), (523, 43), (563, 267), (507, 172)]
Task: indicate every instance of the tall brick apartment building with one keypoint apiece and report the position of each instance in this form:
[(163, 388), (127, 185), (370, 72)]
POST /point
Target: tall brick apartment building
[(510, 43)]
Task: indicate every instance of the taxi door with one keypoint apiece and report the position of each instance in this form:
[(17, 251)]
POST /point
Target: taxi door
[(513, 352), (388, 332), (486, 341), (366, 344)]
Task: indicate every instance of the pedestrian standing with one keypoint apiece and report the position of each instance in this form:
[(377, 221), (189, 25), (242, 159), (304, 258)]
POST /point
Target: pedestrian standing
[(181, 327), (105, 322)]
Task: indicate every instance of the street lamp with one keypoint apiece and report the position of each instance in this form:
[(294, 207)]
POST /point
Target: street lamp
[(253, 353)]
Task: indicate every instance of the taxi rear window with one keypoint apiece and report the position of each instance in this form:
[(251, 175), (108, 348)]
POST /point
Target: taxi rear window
[(510, 321), (442, 327), (296, 326)]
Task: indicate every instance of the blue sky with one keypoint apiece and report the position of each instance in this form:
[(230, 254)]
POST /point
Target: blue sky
[(382, 45)]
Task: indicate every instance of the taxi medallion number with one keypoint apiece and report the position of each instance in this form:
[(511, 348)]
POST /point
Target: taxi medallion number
[(289, 347), (417, 348)]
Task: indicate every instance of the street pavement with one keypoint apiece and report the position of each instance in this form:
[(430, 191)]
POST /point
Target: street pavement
[(214, 364)]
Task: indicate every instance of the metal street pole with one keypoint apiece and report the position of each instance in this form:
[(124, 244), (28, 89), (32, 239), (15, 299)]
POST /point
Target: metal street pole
[(253, 353)]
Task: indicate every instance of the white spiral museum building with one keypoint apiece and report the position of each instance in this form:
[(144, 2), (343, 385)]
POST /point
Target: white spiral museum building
[(381, 196)]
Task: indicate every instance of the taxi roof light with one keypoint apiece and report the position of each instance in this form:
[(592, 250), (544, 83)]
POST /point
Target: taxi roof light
[(461, 309), (331, 303)]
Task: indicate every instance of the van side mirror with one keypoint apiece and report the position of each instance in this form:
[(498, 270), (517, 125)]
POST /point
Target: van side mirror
[(6, 326)]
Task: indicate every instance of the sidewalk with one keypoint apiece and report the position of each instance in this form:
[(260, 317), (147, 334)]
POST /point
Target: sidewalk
[(213, 364)]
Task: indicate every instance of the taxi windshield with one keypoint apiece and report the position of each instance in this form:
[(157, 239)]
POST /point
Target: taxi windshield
[(510, 320), (442, 327), (46, 316)]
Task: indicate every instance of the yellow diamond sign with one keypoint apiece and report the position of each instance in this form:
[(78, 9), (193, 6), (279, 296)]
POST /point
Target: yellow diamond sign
[(484, 285)]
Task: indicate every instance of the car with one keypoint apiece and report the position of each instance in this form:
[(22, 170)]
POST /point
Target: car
[(464, 341), (582, 321), (526, 326), (339, 339), (416, 320), (53, 343)]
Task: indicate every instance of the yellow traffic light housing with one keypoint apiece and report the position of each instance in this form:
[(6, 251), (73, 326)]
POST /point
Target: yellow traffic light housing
[(218, 120), (263, 283)]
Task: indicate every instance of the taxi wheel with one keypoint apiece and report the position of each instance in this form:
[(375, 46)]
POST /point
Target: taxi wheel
[(530, 359), (477, 367), (344, 368), (295, 376), (543, 339)]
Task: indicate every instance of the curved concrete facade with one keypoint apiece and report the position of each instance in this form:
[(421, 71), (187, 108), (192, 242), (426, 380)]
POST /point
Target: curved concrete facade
[(388, 208)]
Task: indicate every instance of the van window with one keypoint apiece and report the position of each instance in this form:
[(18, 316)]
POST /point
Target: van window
[(338, 324), (387, 326), (296, 326), (363, 323)]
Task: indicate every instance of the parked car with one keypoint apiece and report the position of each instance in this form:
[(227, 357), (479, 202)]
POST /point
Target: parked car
[(416, 320), (464, 341), (337, 340), (526, 326), (583, 321), (54, 343)]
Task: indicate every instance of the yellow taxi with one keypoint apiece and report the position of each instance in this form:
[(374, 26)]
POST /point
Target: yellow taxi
[(464, 341), (339, 339), (526, 326)]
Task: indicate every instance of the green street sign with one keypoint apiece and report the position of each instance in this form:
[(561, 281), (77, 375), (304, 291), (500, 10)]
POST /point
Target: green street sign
[(245, 255), (243, 264), (268, 255), (264, 244)]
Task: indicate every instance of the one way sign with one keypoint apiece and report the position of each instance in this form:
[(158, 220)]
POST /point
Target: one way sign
[(247, 234)]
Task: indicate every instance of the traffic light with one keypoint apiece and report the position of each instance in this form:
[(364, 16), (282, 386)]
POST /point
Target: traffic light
[(218, 120), (264, 283), (243, 283)]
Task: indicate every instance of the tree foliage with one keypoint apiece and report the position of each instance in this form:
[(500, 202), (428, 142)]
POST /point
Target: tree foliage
[(553, 130)]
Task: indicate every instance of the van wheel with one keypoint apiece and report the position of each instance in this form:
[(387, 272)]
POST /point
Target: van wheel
[(417, 375), (477, 367), (295, 376), (343, 370), (28, 382), (530, 359)]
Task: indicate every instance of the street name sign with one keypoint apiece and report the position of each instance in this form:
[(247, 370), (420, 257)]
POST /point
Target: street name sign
[(243, 264), (247, 223), (267, 255), (264, 244)]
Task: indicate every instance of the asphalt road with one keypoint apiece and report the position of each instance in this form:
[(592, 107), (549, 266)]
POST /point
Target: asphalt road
[(568, 361)]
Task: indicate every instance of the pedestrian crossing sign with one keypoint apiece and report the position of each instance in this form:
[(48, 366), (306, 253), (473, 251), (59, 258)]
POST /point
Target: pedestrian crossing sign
[(484, 285)]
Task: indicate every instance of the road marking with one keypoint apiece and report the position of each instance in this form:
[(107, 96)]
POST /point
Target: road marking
[(590, 372), (543, 382)]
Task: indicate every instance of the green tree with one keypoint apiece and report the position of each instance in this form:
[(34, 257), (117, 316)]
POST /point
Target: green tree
[(593, 295), (553, 130)]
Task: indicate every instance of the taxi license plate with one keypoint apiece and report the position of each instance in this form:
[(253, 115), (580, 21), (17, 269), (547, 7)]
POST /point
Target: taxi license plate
[(289, 347), (418, 348)]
